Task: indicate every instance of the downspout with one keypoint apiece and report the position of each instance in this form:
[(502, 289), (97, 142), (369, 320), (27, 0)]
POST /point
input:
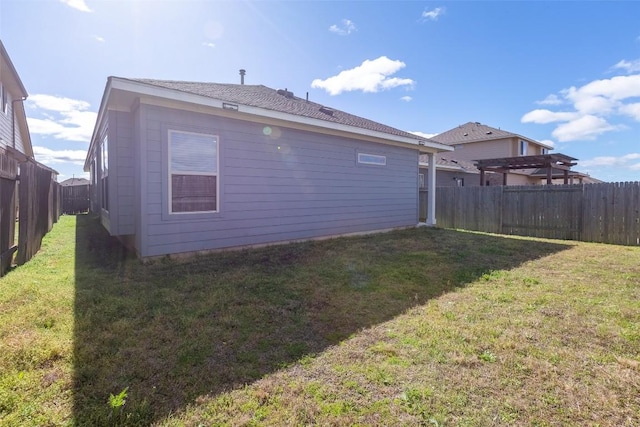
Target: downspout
[(13, 120)]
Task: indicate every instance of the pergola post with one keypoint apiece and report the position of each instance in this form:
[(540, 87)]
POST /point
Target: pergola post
[(481, 176)]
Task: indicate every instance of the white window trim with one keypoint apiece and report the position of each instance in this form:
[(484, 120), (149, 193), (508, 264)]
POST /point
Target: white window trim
[(382, 162), (170, 172), (4, 99), (523, 147)]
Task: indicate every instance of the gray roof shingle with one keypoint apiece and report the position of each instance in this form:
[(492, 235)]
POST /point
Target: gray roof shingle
[(276, 100), (471, 132)]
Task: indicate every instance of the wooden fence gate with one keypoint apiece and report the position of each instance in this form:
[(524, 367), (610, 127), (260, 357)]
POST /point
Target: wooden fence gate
[(75, 199), (606, 213)]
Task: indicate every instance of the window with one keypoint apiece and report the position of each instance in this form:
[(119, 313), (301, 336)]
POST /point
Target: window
[(545, 151), (104, 176), (421, 180), (372, 159), (193, 172), (4, 98), (523, 147)]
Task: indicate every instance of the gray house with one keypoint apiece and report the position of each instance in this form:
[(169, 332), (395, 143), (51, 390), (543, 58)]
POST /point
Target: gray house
[(183, 167)]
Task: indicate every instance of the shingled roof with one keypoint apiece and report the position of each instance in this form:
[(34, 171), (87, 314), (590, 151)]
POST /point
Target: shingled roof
[(471, 132), (280, 100)]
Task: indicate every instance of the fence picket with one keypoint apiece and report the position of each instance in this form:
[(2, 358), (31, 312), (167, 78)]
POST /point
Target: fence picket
[(607, 212)]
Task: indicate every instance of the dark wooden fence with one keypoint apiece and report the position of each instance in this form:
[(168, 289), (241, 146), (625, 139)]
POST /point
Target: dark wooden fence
[(606, 213), (75, 199), (8, 179), (39, 201)]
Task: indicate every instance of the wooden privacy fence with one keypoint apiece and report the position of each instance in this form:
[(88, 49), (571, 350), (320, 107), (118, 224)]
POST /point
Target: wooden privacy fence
[(8, 178), (39, 201), (75, 199), (606, 213)]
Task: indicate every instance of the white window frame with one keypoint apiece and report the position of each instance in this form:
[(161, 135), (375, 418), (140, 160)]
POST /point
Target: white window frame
[(104, 172), (372, 159), (216, 138), (4, 98), (523, 147)]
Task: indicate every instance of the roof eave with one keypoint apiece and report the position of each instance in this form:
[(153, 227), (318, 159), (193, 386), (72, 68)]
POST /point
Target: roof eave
[(424, 146), (16, 76)]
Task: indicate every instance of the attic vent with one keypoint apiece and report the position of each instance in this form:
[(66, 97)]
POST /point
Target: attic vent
[(488, 132), (327, 111), (466, 134), (285, 93)]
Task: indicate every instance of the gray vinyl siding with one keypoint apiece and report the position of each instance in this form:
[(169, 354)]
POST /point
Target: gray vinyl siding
[(5, 125), (290, 185), (121, 173), (7, 128)]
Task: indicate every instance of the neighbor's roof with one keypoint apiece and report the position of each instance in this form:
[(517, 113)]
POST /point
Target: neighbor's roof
[(7, 66), (475, 132), (447, 161), (74, 181), (277, 100)]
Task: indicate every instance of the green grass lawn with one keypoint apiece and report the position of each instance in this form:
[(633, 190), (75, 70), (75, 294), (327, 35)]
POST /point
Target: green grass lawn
[(416, 327)]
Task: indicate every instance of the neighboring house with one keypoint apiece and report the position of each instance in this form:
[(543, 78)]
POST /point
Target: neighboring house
[(73, 182), (15, 141), (450, 172), (15, 148), (181, 167), (475, 141)]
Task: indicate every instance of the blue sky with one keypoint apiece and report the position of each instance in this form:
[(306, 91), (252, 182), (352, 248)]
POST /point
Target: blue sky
[(563, 73)]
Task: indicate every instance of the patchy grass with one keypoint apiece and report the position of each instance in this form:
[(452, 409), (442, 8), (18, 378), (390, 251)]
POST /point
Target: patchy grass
[(418, 327)]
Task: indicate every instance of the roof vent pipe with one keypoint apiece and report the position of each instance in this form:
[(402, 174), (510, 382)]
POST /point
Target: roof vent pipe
[(242, 73)]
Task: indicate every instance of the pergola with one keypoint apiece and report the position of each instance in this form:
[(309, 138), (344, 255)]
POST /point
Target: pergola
[(557, 165)]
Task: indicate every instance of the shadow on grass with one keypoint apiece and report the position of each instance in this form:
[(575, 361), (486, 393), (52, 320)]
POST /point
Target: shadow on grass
[(170, 332)]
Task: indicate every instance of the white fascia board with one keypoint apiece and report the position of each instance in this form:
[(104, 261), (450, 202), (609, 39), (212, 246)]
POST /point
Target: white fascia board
[(150, 90)]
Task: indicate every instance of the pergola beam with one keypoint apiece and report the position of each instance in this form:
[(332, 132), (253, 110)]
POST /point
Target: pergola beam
[(549, 162)]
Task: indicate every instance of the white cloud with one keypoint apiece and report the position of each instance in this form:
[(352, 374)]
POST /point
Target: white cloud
[(545, 116), (406, 98), (209, 44), (434, 14), (345, 28), (370, 76), (594, 105), (550, 100), (632, 110), (98, 38), (423, 135), (584, 128), (77, 4), (64, 118), (48, 156), (612, 161), (628, 66)]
